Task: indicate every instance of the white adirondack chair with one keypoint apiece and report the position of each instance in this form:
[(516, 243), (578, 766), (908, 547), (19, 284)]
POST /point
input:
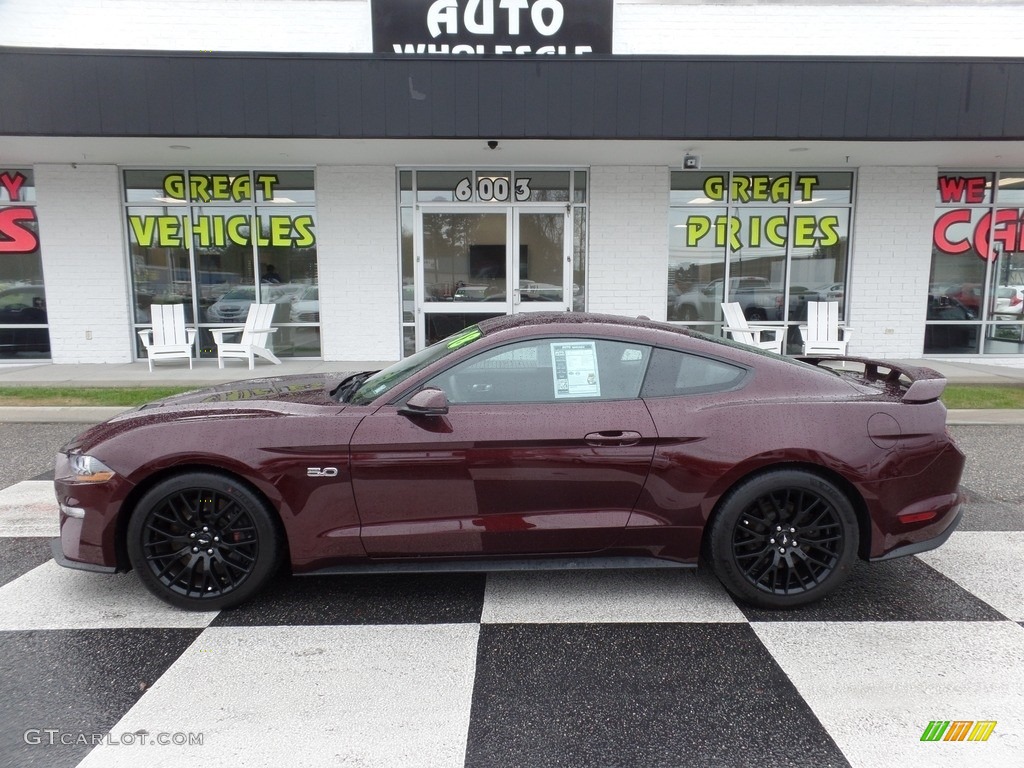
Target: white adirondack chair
[(823, 334), (254, 339), (168, 339), (741, 331)]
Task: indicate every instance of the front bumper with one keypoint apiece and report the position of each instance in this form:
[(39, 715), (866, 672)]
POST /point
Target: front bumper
[(58, 554)]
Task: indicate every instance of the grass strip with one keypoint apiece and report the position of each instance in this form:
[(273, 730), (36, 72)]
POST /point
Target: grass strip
[(958, 396), (72, 396)]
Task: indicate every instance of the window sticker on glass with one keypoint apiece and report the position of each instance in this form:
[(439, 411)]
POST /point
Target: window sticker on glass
[(574, 366), (632, 355)]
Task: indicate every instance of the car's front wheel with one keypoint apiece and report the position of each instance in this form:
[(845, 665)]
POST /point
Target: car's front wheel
[(783, 538), (203, 541)]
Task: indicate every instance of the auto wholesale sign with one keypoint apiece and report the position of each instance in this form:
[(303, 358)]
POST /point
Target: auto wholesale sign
[(492, 27)]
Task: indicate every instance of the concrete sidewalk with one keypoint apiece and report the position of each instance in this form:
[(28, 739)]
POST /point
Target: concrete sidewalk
[(206, 373)]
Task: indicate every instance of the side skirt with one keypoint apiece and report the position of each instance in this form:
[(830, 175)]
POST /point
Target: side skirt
[(539, 564)]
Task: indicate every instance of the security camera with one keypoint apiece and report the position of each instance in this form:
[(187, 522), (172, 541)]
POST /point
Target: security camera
[(493, 144), (691, 162)]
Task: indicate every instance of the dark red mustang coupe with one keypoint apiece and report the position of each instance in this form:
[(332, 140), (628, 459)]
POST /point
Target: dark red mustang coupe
[(523, 442)]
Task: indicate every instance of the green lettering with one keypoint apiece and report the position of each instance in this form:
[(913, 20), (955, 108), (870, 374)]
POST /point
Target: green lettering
[(755, 232), (267, 181), (697, 228), (721, 230), (169, 231), (780, 189), (143, 228), (759, 187), (260, 236), (174, 186), (235, 233), (280, 231), (734, 233), (714, 187), (805, 228), (199, 188), (740, 187), (829, 229), (220, 187), (201, 230), (241, 189), (807, 185), (304, 227), (775, 231)]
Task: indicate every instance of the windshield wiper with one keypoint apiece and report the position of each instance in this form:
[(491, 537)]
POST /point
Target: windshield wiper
[(343, 391)]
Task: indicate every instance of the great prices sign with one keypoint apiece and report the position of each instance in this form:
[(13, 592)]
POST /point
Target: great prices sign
[(985, 232), (809, 230), (17, 222), (492, 27)]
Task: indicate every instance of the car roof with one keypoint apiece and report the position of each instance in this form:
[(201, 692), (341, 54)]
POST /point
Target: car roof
[(527, 319)]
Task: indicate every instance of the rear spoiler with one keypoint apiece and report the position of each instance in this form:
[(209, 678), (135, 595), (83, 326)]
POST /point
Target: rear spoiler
[(913, 383)]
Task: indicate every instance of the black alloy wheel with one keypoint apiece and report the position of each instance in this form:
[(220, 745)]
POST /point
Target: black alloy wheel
[(203, 541), (783, 539)]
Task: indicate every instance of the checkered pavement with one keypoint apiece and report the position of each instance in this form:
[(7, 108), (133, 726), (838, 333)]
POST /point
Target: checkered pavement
[(598, 668)]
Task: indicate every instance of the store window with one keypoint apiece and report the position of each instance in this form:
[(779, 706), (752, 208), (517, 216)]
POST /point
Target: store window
[(976, 290), (24, 331), (219, 240), (769, 240)]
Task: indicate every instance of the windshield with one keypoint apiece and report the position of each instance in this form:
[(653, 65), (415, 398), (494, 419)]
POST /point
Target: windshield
[(240, 293), (384, 381)]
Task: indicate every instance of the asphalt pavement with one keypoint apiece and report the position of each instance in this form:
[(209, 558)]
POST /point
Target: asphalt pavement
[(474, 670)]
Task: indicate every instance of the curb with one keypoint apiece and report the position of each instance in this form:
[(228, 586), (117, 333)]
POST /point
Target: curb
[(41, 414)]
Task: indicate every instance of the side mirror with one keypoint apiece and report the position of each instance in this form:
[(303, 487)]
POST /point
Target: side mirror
[(429, 401)]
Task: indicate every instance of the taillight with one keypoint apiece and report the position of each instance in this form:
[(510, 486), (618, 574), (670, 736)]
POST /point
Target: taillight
[(1016, 300)]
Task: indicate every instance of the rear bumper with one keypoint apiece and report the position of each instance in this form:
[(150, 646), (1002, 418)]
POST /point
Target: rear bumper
[(924, 545)]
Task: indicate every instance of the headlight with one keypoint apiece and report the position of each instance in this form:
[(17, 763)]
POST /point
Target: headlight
[(88, 469)]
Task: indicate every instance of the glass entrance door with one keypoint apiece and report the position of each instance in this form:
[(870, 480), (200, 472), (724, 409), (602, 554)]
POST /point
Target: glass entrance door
[(544, 266), (476, 262)]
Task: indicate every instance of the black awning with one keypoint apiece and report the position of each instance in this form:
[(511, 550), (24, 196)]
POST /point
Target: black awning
[(79, 93)]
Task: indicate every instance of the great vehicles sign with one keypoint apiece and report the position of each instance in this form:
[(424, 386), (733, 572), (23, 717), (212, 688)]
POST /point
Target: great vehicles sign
[(282, 228), (492, 27)]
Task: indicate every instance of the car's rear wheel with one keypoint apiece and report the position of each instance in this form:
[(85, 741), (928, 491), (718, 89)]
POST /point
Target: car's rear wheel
[(756, 314), (783, 538), (203, 541)]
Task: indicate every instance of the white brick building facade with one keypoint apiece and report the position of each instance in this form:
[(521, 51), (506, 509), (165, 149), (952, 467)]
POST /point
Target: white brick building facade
[(81, 207)]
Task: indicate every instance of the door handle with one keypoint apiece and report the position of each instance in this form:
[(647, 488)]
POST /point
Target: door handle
[(613, 437)]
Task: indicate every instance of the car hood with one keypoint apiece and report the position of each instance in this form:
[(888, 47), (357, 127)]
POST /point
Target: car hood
[(251, 398), (308, 389)]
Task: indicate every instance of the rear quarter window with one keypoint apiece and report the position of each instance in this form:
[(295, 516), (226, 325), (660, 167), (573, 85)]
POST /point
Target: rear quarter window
[(672, 373)]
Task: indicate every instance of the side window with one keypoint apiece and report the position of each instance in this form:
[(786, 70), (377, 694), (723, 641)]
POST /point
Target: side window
[(676, 373), (548, 371)]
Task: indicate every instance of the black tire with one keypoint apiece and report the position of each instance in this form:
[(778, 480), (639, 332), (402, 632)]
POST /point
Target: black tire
[(688, 313), (783, 539), (203, 541), (756, 314)]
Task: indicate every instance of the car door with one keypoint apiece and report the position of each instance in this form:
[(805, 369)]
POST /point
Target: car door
[(545, 448)]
